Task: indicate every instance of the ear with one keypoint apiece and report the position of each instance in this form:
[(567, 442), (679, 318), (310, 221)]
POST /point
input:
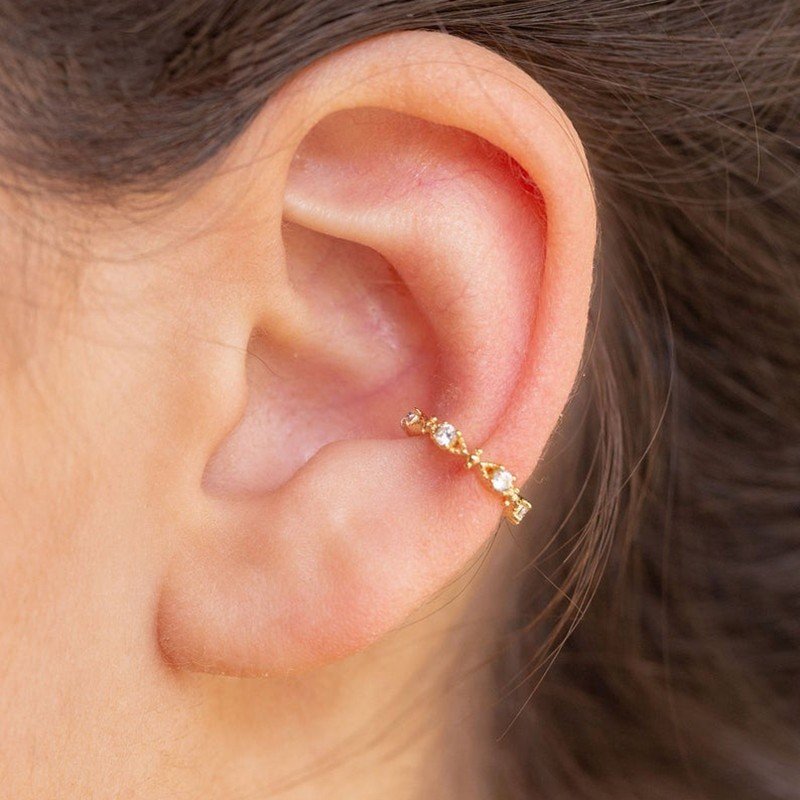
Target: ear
[(414, 221)]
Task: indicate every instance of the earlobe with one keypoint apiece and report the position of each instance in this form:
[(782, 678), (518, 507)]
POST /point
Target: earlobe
[(409, 164)]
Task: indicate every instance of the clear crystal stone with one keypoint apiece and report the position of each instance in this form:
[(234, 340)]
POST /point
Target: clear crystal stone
[(444, 435), (521, 508), (411, 418), (502, 479)]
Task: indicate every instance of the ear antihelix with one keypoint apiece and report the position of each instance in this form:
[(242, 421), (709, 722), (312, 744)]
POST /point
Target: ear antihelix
[(495, 477)]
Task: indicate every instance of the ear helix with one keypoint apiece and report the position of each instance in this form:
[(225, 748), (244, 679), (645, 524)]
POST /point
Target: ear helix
[(495, 477)]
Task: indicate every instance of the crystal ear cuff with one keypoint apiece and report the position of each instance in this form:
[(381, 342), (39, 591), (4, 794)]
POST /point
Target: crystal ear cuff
[(495, 476)]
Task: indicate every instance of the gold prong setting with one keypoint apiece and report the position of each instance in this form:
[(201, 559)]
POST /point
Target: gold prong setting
[(495, 477)]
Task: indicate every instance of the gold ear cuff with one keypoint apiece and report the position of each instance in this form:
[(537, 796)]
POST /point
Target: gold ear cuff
[(495, 476)]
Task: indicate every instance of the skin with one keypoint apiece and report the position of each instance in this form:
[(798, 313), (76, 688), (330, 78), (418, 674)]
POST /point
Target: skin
[(224, 568)]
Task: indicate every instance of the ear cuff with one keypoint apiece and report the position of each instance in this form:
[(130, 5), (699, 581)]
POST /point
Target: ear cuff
[(495, 477)]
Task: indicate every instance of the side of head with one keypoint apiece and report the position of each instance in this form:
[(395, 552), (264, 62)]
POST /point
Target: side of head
[(235, 260)]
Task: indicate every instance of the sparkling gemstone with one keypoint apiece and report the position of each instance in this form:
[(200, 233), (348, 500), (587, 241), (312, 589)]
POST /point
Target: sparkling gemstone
[(444, 435), (502, 479), (520, 509), (411, 418)]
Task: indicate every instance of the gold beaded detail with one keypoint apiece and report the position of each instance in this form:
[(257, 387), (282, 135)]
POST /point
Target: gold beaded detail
[(495, 477)]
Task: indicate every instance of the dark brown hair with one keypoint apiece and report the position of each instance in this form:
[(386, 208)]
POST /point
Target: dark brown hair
[(673, 534)]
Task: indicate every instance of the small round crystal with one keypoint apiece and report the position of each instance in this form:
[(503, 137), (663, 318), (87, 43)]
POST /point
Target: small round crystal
[(444, 435), (519, 510), (502, 479)]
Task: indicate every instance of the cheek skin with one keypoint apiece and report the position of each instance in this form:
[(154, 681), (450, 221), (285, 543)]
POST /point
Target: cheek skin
[(91, 453)]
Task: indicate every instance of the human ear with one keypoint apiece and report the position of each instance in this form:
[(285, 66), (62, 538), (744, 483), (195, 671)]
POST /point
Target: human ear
[(414, 222)]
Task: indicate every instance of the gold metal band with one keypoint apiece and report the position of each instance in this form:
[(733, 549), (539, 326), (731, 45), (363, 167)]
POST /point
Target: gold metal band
[(495, 477)]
